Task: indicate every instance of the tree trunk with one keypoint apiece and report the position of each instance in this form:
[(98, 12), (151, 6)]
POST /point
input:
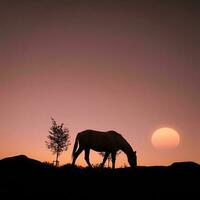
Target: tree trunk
[(57, 154)]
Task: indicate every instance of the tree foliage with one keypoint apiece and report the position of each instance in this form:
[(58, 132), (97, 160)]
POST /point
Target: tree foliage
[(58, 139)]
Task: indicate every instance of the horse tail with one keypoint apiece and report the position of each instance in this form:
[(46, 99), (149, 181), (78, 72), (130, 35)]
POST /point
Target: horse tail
[(75, 146)]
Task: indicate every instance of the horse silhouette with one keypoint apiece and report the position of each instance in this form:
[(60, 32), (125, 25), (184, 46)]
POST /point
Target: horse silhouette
[(109, 142)]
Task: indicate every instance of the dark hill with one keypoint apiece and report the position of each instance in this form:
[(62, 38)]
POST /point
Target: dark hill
[(185, 165), (20, 163), (21, 175), (20, 160)]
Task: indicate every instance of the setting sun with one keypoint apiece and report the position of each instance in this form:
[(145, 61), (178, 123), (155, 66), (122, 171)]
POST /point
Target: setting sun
[(165, 138)]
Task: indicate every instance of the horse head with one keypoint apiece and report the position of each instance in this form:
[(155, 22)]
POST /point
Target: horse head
[(132, 159)]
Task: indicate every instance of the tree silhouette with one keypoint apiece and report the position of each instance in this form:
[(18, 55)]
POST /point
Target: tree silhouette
[(109, 157), (58, 139)]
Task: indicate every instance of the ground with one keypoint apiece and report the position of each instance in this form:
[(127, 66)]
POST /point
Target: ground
[(23, 176)]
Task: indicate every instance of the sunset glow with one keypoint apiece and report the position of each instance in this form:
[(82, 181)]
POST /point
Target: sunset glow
[(128, 66)]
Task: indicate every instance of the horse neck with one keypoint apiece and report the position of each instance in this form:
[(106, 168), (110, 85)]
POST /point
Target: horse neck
[(126, 148)]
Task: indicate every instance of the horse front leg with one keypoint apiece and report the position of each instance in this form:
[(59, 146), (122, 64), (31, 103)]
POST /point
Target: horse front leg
[(87, 153), (104, 159), (113, 159)]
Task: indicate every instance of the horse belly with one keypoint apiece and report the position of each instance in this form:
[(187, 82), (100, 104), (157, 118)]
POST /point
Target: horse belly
[(100, 148)]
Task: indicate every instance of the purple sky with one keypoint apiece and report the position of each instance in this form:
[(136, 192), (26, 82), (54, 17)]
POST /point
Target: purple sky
[(127, 66)]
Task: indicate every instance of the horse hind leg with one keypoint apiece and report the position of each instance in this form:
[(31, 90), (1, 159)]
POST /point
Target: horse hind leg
[(87, 153), (77, 153)]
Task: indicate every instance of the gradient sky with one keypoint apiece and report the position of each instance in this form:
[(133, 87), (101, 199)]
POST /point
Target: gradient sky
[(129, 66)]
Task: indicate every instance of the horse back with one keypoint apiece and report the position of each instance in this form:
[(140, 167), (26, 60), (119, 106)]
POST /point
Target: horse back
[(100, 141)]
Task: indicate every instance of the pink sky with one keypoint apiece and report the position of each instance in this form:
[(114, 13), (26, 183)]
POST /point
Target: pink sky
[(127, 67)]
